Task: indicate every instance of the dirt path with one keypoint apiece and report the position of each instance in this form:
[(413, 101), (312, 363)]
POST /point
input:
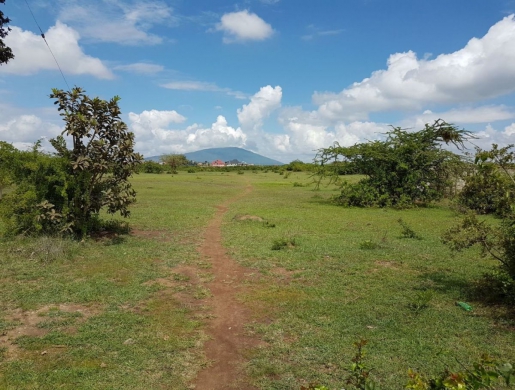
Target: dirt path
[(226, 329)]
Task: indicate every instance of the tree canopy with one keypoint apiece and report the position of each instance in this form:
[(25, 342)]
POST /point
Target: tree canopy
[(6, 53), (407, 167), (65, 192)]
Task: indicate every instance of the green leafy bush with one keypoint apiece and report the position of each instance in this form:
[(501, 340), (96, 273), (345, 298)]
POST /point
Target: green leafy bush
[(490, 189), (406, 169), (65, 192)]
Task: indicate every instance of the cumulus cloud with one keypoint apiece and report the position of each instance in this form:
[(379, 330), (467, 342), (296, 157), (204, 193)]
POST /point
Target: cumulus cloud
[(126, 23), (23, 130), (484, 68), (202, 86), (244, 26), (491, 135), (154, 135), (32, 54), (140, 67), (156, 119), (463, 116), (261, 105)]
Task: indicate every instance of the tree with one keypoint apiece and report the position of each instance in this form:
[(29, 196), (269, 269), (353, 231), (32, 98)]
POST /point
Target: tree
[(6, 53), (66, 191), (174, 161), (101, 160), (406, 168)]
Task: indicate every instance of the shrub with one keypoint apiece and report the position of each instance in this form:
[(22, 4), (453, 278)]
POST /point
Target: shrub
[(405, 169), (490, 189), (407, 231), (283, 243), (65, 192)]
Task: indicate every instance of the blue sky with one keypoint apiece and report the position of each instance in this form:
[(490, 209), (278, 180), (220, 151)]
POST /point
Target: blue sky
[(278, 77)]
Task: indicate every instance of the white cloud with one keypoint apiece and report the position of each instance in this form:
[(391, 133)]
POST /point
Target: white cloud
[(122, 22), (32, 54), (261, 105), (202, 86), (316, 32), (490, 136), (244, 26), (155, 119), (154, 137), (462, 116), (23, 130), (140, 67), (484, 68)]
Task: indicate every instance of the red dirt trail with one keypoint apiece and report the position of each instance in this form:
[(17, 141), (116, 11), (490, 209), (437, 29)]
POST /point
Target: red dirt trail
[(228, 339)]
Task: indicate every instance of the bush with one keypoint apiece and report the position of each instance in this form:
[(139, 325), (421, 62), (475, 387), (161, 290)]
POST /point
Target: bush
[(406, 169), (151, 167), (65, 192), (490, 189)]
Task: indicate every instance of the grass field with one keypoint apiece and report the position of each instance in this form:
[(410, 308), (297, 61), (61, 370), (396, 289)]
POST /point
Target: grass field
[(94, 314)]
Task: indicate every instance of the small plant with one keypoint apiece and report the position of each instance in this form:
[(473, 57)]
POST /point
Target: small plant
[(359, 377), (283, 243), (407, 231), (368, 244), (191, 170), (286, 175), (268, 224), (421, 300), (484, 375), (240, 172), (297, 184)]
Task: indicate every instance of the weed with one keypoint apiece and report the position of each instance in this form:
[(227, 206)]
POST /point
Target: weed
[(180, 277), (421, 300), (268, 224), (297, 184), (407, 231), (369, 244), (241, 172), (283, 243)]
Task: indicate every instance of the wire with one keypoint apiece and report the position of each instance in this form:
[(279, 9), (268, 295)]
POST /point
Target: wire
[(51, 52)]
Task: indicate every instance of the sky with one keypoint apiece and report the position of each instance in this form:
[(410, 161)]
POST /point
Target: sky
[(282, 78)]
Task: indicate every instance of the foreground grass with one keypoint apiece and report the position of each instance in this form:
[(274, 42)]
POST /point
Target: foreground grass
[(99, 319), (346, 274), (89, 314)]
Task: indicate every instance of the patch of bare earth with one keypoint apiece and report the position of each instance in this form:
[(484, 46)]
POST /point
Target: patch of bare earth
[(158, 235), (229, 340), (26, 323)]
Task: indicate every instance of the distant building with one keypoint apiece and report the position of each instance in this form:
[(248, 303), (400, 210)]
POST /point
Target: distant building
[(218, 163)]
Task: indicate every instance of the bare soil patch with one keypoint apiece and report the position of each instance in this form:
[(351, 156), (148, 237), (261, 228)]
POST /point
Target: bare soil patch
[(158, 235), (248, 218), (25, 323)]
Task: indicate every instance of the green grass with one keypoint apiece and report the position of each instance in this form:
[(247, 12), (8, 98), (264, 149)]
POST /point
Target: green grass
[(338, 275), (112, 278), (352, 276)]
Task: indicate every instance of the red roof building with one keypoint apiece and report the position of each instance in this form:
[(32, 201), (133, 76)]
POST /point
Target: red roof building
[(218, 163)]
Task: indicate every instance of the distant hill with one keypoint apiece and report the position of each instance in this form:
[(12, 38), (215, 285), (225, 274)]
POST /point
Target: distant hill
[(226, 154)]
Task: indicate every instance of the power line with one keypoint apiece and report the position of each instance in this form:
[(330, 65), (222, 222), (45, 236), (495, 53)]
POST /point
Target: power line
[(43, 36)]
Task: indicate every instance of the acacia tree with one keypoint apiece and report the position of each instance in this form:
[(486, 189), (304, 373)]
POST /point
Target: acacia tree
[(6, 53), (174, 161), (405, 168), (100, 161)]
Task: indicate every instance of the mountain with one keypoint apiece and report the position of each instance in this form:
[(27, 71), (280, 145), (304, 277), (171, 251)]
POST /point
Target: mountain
[(226, 154)]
